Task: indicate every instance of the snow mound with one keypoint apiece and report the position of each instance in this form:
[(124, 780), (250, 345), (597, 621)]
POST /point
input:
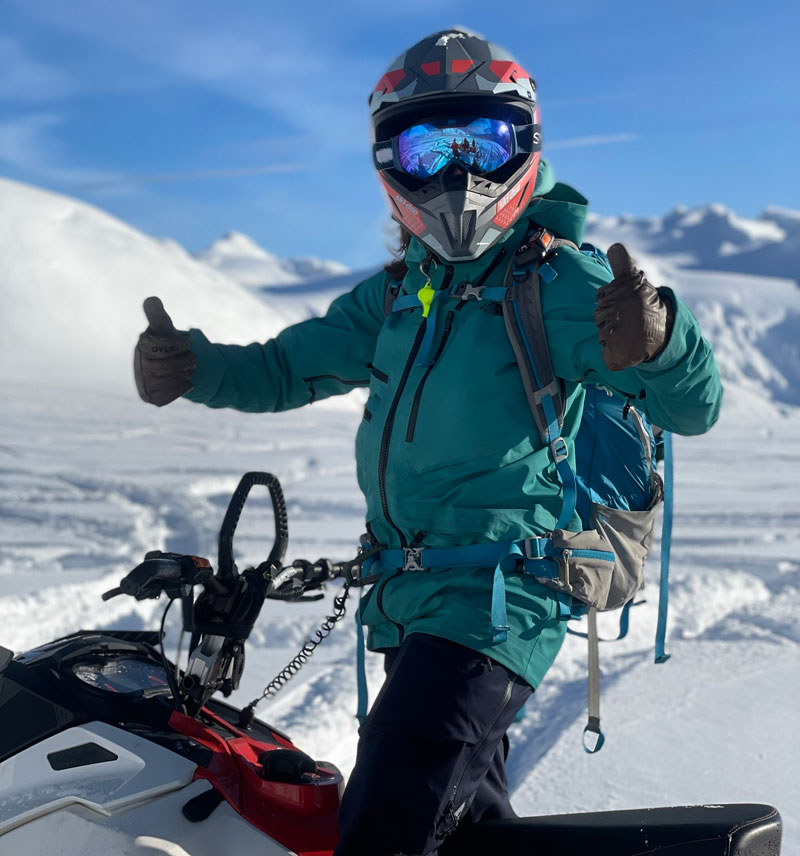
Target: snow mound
[(72, 282), (238, 256)]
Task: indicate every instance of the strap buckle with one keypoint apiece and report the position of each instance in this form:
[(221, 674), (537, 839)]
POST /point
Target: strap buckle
[(354, 571), (536, 247), (467, 291), (534, 547), (412, 559), (559, 449)]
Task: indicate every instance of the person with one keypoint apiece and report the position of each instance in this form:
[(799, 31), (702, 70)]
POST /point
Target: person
[(447, 454)]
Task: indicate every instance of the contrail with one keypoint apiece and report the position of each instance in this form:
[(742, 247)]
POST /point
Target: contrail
[(598, 140), (198, 175)]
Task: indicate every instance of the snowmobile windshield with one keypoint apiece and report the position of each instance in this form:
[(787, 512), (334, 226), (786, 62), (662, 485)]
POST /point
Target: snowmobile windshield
[(481, 145)]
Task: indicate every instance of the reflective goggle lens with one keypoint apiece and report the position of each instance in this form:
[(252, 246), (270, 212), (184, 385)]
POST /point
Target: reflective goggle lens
[(482, 145)]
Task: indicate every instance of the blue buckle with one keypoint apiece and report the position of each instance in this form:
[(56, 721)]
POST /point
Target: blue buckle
[(412, 559), (559, 449), (534, 547)]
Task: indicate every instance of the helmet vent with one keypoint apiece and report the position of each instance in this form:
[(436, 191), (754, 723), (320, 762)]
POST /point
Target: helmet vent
[(460, 228)]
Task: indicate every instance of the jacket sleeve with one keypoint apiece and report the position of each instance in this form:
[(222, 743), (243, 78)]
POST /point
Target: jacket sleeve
[(306, 362), (679, 390)]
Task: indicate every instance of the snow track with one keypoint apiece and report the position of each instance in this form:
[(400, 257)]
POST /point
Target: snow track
[(88, 484)]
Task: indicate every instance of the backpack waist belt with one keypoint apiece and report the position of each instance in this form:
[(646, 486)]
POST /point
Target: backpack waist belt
[(536, 556)]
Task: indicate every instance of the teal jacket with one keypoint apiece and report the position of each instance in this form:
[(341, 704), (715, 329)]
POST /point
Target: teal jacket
[(447, 454)]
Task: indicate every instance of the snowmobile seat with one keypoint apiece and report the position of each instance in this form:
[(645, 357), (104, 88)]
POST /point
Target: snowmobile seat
[(701, 830)]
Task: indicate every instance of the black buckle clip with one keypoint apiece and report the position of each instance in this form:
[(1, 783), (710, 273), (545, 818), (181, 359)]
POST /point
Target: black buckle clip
[(535, 248)]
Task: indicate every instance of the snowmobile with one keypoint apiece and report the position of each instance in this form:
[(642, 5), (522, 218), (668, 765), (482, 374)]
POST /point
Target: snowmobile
[(107, 747)]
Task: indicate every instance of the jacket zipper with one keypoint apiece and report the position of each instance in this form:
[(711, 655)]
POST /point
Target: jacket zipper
[(479, 744), (310, 382), (412, 420), (383, 456)]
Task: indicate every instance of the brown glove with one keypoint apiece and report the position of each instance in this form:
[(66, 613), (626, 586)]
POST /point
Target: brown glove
[(163, 361), (634, 321)]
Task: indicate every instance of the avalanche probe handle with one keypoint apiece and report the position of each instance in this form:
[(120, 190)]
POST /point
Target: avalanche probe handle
[(226, 566)]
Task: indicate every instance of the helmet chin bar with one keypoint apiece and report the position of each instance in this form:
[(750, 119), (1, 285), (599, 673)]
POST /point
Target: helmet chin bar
[(456, 214)]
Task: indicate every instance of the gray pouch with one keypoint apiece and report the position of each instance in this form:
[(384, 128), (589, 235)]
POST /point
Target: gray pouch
[(629, 534), (603, 567)]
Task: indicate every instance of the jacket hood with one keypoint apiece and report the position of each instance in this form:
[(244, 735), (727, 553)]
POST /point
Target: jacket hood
[(556, 206)]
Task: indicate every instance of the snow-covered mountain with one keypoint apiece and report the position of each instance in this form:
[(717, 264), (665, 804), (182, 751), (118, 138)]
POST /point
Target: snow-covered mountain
[(712, 237), (738, 275), (72, 282), (238, 256)]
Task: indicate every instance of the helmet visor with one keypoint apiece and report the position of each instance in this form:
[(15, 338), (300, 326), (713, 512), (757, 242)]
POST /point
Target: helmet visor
[(481, 145)]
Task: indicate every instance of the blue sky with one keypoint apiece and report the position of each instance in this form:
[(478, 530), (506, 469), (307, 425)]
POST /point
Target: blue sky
[(188, 118)]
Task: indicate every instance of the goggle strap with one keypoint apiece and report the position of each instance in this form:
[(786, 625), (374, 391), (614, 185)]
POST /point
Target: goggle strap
[(383, 154), (527, 138)]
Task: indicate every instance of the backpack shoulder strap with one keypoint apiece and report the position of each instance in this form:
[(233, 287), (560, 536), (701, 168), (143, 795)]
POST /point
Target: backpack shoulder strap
[(524, 320), (522, 310), (390, 295)]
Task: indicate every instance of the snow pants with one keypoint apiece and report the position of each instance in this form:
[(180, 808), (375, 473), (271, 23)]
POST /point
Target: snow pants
[(431, 752)]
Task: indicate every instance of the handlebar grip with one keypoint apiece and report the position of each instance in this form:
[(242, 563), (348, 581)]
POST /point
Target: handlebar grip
[(137, 581), (225, 566)]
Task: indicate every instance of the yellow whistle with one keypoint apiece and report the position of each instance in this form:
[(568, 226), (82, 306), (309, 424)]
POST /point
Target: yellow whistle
[(426, 295)]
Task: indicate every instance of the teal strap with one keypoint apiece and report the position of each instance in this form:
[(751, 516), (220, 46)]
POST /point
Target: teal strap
[(558, 447), (406, 301), (547, 273), (624, 623), (666, 545), (361, 669), (492, 293), (499, 615), (424, 356)]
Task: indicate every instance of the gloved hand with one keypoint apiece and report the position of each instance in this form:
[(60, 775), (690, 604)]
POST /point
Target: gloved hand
[(163, 361), (634, 321)]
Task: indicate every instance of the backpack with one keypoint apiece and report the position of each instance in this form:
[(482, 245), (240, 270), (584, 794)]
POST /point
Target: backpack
[(616, 493)]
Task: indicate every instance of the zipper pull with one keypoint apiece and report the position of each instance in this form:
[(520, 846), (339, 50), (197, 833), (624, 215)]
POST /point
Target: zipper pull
[(426, 295)]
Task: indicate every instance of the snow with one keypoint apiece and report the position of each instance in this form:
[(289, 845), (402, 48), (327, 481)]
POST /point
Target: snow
[(239, 257), (73, 282), (90, 479)]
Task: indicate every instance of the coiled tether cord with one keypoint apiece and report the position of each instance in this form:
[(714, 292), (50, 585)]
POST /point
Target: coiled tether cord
[(301, 658), (346, 570)]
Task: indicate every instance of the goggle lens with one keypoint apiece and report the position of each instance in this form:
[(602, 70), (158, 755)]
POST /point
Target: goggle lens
[(481, 145)]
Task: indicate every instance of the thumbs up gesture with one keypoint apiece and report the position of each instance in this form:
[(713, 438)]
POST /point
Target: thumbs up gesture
[(163, 361), (633, 320)]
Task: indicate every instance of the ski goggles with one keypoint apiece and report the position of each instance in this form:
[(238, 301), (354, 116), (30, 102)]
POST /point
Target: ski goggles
[(480, 144)]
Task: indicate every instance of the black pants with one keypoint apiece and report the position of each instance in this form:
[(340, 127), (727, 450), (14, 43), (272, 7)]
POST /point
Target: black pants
[(431, 752)]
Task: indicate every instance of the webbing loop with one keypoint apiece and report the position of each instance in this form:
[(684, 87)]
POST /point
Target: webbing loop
[(661, 655)]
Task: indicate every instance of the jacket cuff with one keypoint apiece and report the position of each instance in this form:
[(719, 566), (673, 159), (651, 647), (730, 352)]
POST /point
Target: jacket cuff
[(675, 348), (208, 372)]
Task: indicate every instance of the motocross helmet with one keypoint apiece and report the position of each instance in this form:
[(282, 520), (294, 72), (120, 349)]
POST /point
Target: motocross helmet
[(456, 141)]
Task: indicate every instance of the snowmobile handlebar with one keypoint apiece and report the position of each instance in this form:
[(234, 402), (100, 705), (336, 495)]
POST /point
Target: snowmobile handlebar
[(167, 573), (226, 566)]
